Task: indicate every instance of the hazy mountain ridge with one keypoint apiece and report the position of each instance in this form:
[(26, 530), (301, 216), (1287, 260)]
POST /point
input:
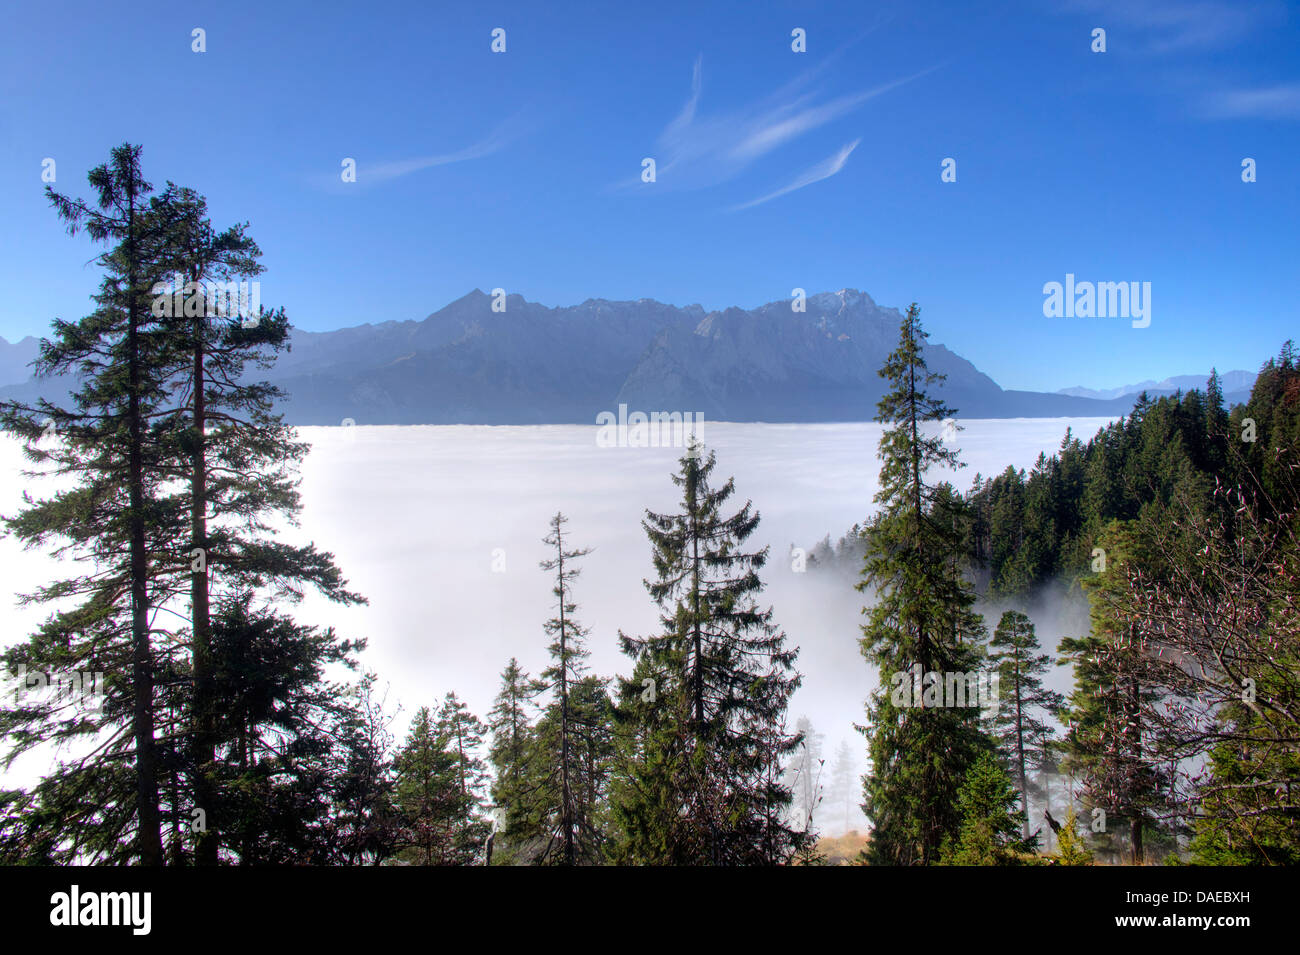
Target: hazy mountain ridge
[(15, 359), (533, 364), (1231, 382)]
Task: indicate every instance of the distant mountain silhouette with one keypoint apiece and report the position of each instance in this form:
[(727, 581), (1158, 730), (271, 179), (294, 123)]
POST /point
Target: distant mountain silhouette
[(529, 364), (1232, 382)]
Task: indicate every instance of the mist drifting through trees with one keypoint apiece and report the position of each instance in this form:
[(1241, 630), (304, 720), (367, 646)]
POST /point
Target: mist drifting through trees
[(662, 723)]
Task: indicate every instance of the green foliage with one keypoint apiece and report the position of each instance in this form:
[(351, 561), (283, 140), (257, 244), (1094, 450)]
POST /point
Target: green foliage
[(1072, 849), (922, 615), (1108, 747), (290, 748), (1236, 825), (1019, 725), (570, 750), (143, 466), (440, 785), (1032, 528), (512, 732), (702, 742), (989, 833)]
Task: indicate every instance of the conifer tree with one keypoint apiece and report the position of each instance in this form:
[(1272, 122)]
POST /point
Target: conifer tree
[(803, 776), (988, 834), (166, 432), (594, 747), (1072, 849), (511, 729), (701, 715), (439, 787), (461, 733), (922, 616), (364, 824), (1018, 725), (286, 738), (1216, 421), (845, 785), (428, 794), (108, 519), (234, 455), (199, 255), (1107, 745), (566, 762)]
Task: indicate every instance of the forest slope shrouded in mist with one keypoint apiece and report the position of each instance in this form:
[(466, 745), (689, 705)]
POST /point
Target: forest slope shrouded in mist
[(418, 513)]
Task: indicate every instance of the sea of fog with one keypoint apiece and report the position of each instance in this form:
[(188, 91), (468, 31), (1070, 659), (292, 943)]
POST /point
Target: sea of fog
[(441, 528)]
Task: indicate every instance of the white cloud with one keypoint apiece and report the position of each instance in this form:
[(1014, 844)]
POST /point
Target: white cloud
[(1269, 102), (823, 170), (695, 151), (500, 137), (392, 170)]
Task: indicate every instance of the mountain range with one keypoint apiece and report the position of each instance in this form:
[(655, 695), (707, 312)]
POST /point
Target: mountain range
[(530, 364), (1230, 382)]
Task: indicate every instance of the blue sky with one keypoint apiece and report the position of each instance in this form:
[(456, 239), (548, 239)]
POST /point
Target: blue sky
[(522, 170)]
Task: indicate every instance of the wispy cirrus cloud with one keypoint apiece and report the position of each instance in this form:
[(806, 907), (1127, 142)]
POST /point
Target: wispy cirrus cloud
[(823, 170), (696, 151), (1266, 102), (370, 173), (1184, 41), (379, 172), (495, 142)]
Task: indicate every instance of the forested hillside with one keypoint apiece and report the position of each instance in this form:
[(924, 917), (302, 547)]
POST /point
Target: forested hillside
[(1176, 526), (1164, 457)]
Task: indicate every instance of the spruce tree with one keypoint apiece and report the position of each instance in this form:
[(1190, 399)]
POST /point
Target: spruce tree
[(193, 438), (989, 820), (922, 616), (198, 255), (285, 736), (1019, 722), (562, 800), (593, 744), (511, 728), (845, 785), (460, 733), (428, 795), (803, 776), (364, 824), (439, 787), (1072, 848), (235, 456), (107, 520), (1107, 745), (701, 715)]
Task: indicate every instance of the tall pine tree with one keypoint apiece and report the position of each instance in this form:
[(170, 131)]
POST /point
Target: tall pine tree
[(922, 616), (1019, 723), (561, 800), (107, 519), (702, 714)]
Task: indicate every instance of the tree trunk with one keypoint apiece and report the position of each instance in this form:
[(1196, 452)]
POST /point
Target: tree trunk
[(566, 803), (1020, 747), (149, 832), (203, 753)]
